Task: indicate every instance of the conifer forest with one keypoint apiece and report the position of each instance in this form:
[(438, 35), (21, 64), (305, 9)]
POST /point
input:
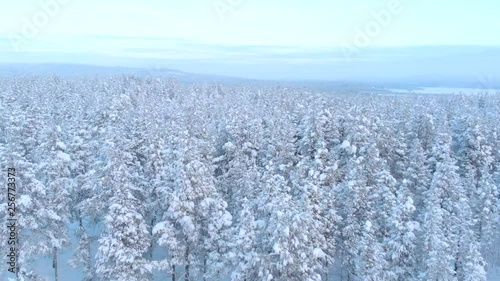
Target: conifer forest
[(135, 178)]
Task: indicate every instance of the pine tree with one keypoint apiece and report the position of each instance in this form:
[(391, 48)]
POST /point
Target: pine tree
[(82, 256), (441, 215), (401, 243), (84, 151), (417, 176), (59, 187), (476, 167), (31, 210), (125, 241), (372, 263), (385, 200), (469, 263), (243, 247), (196, 216), (436, 258)]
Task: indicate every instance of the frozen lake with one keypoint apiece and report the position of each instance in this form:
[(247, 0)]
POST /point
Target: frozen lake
[(443, 90)]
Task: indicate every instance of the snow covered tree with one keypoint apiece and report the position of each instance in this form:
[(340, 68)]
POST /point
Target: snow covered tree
[(384, 201), (417, 175), (82, 256), (426, 131), (469, 263), (436, 259), (125, 240), (372, 264), (243, 245), (476, 164), (59, 186), (357, 197), (401, 241), (285, 252), (196, 214), (441, 214)]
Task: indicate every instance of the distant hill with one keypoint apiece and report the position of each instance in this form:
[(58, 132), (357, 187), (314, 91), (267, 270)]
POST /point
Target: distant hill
[(369, 83)]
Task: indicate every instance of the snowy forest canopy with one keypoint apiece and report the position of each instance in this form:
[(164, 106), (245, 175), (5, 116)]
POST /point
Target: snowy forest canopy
[(170, 181)]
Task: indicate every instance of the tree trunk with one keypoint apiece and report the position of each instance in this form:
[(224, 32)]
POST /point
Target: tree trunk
[(205, 269), (326, 273), (173, 272), (54, 264), (151, 244), (186, 259), (342, 266)]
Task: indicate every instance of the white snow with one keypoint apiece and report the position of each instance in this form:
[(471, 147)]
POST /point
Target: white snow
[(368, 225), (61, 145), (345, 144), (276, 248), (354, 149), (63, 156), (23, 200), (318, 253), (286, 231)]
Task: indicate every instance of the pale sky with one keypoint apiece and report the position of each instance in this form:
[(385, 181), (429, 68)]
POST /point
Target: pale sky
[(260, 22), (205, 29)]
